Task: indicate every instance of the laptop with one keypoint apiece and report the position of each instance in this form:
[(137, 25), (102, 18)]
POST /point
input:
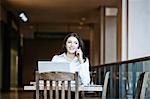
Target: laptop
[(49, 66)]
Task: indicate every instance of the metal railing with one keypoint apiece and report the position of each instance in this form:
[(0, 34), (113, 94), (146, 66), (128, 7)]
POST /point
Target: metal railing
[(123, 77)]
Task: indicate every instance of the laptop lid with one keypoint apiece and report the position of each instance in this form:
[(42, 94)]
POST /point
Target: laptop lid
[(49, 66)]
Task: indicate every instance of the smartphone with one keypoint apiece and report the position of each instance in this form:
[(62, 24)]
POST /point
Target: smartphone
[(77, 54)]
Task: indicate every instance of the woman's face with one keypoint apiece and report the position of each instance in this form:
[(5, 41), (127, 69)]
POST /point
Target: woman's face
[(72, 44)]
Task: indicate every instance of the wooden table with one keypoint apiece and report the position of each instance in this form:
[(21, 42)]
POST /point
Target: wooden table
[(32, 86)]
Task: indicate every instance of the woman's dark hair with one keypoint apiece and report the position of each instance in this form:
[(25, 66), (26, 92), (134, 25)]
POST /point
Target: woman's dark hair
[(81, 45)]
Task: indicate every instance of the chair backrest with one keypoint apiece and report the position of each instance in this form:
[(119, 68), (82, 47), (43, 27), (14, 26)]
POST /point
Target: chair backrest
[(142, 95), (56, 77), (104, 93), (141, 85)]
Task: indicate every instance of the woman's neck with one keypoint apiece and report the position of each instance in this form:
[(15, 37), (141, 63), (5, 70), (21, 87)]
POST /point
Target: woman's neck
[(70, 56)]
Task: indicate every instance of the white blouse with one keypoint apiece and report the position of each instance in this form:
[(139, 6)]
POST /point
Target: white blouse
[(75, 65)]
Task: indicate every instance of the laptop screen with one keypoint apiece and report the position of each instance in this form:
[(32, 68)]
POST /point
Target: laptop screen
[(49, 66)]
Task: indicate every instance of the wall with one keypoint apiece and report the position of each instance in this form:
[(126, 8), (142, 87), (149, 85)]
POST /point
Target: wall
[(2, 22), (139, 28), (110, 39)]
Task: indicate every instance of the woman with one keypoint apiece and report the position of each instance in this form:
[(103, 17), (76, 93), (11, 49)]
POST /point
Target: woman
[(73, 54)]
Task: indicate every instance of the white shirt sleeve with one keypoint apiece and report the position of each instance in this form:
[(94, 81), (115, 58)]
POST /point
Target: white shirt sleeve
[(84, 72), (55, 58)]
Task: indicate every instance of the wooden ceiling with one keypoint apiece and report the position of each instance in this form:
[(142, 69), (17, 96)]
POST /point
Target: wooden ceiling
[(58, 11)]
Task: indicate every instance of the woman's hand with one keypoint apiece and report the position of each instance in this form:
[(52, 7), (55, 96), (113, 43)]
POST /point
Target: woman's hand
[(79, 54)]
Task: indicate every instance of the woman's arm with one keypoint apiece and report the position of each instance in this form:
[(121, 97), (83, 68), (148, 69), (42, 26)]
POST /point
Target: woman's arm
[(84, 72)]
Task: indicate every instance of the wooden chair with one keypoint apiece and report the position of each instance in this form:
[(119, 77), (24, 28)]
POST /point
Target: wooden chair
[(141, 85), (56, 77), (104, 92)]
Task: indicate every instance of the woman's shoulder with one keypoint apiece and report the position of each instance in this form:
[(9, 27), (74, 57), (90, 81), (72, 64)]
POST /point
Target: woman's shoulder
[(58, 56)]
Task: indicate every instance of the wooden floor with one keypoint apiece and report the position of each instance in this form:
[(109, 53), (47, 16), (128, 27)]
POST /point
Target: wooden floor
[(15, 94)]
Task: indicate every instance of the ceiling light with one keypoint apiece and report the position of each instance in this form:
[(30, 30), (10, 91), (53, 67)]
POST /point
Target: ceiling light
[(23, 17)]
